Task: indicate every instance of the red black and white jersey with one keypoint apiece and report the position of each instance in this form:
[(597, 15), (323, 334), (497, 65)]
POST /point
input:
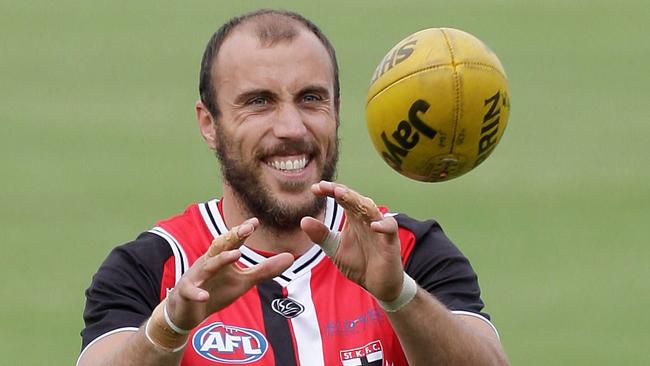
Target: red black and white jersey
[(309, 315)]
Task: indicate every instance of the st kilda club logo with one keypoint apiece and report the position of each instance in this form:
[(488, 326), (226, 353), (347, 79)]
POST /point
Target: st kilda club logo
[(372, 354), (287, 307)]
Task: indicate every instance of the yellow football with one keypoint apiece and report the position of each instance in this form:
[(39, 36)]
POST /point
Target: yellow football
[(437, 104)]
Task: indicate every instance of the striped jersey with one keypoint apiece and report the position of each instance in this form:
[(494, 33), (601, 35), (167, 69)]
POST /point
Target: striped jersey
[(310, 315)]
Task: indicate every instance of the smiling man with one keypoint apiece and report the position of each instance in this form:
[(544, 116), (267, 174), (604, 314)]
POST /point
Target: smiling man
[(287, 267)]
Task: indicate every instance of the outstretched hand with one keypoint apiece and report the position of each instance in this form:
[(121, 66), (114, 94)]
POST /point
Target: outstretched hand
[(369, 250), (214, 281)]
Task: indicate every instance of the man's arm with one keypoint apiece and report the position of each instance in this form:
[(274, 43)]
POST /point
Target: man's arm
[(367, 251), (128, 348), (213, 282), (428, 330)]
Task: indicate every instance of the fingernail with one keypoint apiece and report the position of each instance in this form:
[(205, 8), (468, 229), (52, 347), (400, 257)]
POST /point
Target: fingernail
[(245, 229)]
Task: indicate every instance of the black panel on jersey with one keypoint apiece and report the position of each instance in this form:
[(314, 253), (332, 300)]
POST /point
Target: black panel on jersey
[(276, 325), (126, 288), (439, 267)]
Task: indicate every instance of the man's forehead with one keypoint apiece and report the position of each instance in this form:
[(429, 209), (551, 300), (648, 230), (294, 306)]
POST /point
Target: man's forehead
[(244, 43), (246, 37)]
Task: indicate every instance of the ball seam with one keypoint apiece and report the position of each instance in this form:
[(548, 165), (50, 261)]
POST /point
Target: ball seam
[(464, 63), (456, 90)]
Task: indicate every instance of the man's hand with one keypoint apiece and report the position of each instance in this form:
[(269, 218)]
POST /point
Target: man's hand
[(369, 249), (214, 281)]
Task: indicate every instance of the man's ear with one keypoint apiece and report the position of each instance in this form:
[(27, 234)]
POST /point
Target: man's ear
[(206, 125)]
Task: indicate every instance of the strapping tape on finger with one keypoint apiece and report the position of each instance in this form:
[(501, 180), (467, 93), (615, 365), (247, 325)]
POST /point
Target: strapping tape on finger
[(331, 243)]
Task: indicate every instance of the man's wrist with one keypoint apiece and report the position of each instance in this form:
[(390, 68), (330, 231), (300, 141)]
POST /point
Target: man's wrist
[(409, 289), (162, 333)]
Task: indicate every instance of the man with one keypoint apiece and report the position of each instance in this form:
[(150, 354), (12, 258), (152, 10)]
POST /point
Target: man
[(240, 281)]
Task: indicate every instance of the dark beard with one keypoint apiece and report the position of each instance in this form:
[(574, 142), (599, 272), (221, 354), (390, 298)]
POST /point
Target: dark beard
[(258, 199)]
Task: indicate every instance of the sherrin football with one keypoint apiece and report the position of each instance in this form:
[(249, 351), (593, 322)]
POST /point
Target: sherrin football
[(437, 105)]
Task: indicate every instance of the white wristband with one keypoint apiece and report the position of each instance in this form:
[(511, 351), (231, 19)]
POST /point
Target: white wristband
[(171, 324), (331, 243), (409, 289), (172, 350)]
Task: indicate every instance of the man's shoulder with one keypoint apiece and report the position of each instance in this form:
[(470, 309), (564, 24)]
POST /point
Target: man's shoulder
[(147, 247)]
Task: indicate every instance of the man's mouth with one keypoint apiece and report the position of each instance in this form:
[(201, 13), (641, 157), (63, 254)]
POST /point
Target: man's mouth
[(288, 164)]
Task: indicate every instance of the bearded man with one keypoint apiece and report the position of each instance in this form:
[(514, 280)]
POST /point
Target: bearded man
[(287, 267)]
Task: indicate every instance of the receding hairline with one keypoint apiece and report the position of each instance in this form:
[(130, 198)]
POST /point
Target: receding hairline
[(272, 28), (268, 35)]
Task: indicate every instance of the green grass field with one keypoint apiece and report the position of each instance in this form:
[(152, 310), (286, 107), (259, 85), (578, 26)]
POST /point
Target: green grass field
[(98, 141)]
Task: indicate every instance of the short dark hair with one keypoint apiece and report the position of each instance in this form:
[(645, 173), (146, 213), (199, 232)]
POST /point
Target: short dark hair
[(268, 34)]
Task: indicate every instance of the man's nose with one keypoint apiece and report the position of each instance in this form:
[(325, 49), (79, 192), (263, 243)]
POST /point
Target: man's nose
[(289, 123)]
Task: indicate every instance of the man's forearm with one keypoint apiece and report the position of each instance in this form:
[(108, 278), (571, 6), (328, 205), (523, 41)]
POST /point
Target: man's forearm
[(428, 332), (128, 349)]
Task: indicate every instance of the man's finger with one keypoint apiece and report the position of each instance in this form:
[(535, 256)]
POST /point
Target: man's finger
[(233, 238), (268, 269), (213, 264), (360, 206), (355, 204), (321, 235), (314, 229), (192, 293), (387, 225)]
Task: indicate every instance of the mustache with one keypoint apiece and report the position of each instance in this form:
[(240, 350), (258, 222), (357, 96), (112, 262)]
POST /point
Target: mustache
[(289, 147)]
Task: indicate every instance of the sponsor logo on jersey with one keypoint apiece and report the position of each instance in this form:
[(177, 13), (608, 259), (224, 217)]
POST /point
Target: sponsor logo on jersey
[(354, 325), (372, 354), (287, 307), (229, 344)]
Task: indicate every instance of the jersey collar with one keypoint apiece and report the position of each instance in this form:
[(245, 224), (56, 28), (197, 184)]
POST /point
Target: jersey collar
[(334, 218)]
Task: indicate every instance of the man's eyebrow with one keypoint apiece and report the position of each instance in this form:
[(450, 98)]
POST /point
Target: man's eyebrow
[(317, 89), (249, 94)]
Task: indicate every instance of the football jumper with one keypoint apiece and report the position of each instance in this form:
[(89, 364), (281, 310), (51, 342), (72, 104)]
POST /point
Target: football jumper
[(310, 315)]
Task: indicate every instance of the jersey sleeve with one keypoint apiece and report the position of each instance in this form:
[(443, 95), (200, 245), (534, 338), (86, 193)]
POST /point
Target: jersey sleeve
[(439, 267), (126, 288)]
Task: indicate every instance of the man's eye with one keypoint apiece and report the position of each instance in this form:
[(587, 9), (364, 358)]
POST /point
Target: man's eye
[(258, 101), (311, 98)]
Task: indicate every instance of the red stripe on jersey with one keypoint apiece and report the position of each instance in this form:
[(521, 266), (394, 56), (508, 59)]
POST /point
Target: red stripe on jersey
[(189, 227), (168, 277), (407, 240)]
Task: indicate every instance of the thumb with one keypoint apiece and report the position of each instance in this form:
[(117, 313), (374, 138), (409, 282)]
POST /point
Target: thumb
[(321, 235), (315, 229)]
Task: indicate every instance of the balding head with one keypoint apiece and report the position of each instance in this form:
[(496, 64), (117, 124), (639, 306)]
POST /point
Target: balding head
[(269, 27)]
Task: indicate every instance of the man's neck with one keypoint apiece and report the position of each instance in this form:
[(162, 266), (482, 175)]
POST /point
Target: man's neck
[(265, 238)]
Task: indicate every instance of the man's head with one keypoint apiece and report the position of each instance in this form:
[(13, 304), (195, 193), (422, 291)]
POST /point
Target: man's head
[(269, 108), (273, 26)]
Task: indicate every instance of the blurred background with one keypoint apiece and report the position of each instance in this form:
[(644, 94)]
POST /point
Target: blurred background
[(98, 141)]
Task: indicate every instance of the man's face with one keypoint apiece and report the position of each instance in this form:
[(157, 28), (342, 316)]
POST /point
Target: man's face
[(276, 134)]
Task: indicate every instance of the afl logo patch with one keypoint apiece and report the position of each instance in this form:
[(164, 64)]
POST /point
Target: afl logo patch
[(228, 344), (287, 307)]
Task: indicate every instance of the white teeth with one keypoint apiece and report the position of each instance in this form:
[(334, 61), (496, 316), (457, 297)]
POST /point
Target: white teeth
[(289, 164)]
